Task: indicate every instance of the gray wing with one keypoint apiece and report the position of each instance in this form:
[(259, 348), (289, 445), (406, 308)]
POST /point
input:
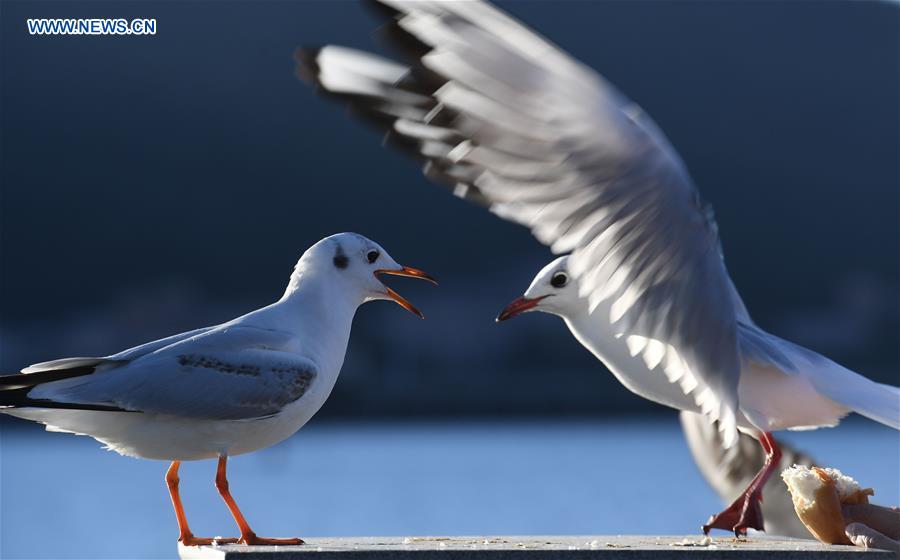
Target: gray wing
[(226, 374), (65, 368), (66, 364), (514, 123)]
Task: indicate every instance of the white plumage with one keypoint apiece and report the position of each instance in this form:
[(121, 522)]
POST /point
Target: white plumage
[(223, 390), (512, 122)]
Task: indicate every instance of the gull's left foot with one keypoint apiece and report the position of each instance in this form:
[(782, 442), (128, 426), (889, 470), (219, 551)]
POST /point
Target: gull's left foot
[(252, 539), (744, 513)]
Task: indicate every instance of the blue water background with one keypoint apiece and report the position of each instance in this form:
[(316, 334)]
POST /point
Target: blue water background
[(64, 497)]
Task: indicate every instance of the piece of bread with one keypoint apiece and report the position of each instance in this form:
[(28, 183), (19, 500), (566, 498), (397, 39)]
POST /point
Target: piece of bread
[(818, 495)]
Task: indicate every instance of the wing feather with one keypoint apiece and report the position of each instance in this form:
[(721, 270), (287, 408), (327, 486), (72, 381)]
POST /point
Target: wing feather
[(228, 373), (513, 122)]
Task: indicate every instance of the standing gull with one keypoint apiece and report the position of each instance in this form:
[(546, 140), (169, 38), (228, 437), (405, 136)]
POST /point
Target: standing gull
[(218, 391), (510, 121)]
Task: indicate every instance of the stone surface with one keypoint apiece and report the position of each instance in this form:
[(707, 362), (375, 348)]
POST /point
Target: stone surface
[(535, 548)]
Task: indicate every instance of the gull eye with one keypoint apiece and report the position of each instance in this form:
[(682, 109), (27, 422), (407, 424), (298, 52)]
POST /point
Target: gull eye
[(559, 279), (372, 256)]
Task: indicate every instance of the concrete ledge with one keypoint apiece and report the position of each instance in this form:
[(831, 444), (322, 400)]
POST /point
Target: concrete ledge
[(535, 548)]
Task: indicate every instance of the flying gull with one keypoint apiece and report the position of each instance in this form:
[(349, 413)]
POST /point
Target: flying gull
[(510, 121)]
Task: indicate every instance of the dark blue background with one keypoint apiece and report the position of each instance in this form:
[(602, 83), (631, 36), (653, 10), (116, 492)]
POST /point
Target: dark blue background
[(156, 184)]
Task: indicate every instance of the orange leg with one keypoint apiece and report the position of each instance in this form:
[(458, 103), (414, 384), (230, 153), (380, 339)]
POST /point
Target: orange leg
[(247, 534), (185, 536)]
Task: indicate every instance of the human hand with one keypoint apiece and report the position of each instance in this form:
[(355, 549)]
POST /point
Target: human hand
[(871, 526)]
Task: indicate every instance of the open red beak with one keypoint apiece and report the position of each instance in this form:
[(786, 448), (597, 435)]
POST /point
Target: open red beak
[(518, 306), (409, 272)]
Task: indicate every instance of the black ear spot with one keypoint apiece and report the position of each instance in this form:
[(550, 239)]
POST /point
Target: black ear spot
[(340, 260)]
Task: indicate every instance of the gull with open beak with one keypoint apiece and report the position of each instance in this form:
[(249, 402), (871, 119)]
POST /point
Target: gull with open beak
[(512, 122), (218, 391)]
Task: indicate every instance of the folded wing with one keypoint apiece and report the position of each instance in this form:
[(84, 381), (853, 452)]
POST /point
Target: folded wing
[(223, 374)]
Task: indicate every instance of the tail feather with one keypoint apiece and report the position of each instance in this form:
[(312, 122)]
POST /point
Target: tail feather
[(877, 401)]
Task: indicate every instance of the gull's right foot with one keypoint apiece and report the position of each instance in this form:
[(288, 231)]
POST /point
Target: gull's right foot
[(191, 540), (252, 539)]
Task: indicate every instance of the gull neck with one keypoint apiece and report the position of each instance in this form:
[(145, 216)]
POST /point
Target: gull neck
[(320, 311)]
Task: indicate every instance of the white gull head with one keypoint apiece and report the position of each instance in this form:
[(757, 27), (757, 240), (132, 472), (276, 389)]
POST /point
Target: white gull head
[(353, 264), (553, 291)]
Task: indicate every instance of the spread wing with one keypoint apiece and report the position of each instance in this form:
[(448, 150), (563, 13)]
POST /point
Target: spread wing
[(227, 373), (512, 122)]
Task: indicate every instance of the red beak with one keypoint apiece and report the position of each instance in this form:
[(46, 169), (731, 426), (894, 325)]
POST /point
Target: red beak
[(517, 307), (409, 272)]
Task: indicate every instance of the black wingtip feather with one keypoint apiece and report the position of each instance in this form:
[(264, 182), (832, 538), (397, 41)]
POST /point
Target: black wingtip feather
[(18, 398), (28, 380), (398, 39), (307, 68), (403, 144), (382, 10), (370, 116)]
